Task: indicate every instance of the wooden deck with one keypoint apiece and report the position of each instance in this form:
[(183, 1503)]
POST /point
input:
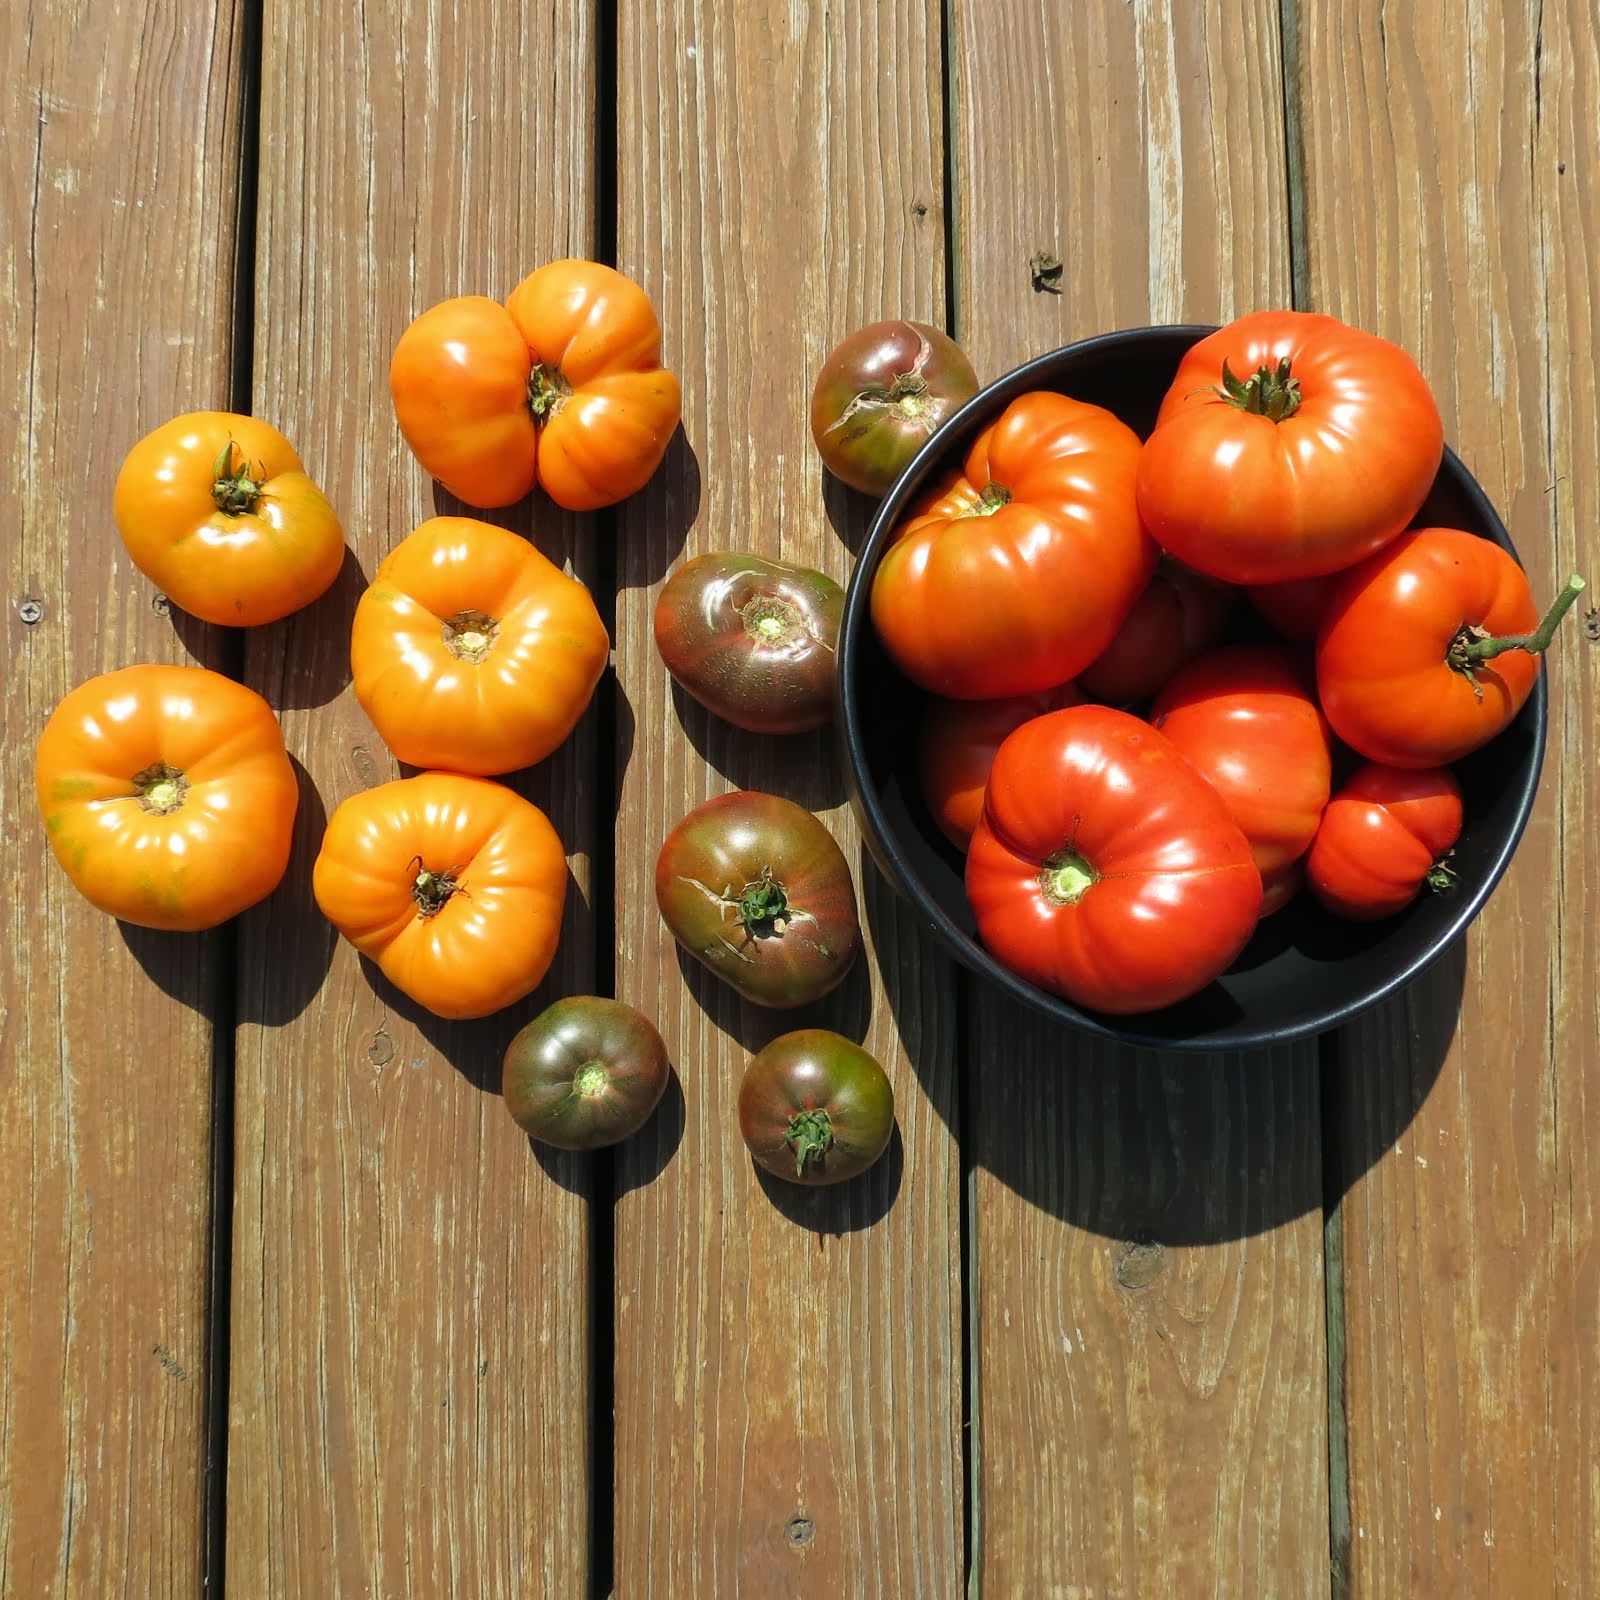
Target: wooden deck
[(287, 1306)]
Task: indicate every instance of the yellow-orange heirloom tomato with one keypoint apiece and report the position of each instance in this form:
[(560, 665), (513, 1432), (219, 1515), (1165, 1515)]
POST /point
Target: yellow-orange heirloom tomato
[(472, 652), (167, 795), (561, 386), (217, 510), (453, 885)]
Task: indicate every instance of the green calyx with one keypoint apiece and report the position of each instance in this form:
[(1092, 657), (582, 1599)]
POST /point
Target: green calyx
[(235, 490), (1269, 392), (548, 391), (762, 905), (591, 1080), (160, 789), (432, 890), (810, 1136)]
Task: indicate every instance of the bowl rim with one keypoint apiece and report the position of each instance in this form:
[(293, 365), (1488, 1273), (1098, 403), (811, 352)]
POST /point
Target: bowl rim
[(1043, 372)]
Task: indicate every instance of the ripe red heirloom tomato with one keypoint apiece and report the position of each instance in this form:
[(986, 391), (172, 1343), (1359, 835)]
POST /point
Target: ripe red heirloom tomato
[(881, 395), (815, 1108), (585, 1072), (1383, 836), (755, 888), (1289, 444), (1246, 717), (562, 385), (1021, 574), (1179, 614), (1105, 868), (167, 795), (473, 653), (217, 510), (454, 885), (958, 745), (752, 640), (1429, 648)]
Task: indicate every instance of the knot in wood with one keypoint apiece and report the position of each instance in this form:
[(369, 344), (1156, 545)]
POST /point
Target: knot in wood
[(1142, 1261), (800, 1532)]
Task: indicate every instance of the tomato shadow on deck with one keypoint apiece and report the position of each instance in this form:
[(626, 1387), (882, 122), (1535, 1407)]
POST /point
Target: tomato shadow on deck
[(1186, 1149)]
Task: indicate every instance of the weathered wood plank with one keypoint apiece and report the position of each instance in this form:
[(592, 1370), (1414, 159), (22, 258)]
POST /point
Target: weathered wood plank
[(411, 1287), (1454, 206), (1147, 1230), (787, 1369), (121, 139)]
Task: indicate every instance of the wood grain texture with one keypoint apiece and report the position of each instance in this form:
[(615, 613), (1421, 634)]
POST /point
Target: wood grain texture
[(411, 1317), (1148, 1295), (1454, 206), (788, 1365), (120, 139)]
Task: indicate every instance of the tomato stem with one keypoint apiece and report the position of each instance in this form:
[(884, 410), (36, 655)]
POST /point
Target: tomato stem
[(160, 789), (771, 620), (762, 905), (810, 1136), (468, 635), (1441, 876), (1269, 392), (548, 391), (235, 492), (432, 890), (1066, 878), (994, 496), (1473, 645)]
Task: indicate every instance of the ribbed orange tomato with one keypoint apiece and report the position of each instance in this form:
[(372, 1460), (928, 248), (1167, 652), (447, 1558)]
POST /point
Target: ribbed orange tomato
[(167, 795), (217, 509), (1022, 573), (453, 885), (470, 651), (561, 386)]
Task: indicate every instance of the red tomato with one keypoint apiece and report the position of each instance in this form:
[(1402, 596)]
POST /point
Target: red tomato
[(1289, 445), (1021, 574), (1431, 647), (1105, 868), (1246, 717), (1179, 614), (959, 740), (1383, 836), (1296, 606)]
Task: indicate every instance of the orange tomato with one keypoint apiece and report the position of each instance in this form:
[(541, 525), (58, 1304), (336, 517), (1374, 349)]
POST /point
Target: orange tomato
[(453, 885), (470, 651), (167, 795), (1023, 572), (216, 509), (561, 386)]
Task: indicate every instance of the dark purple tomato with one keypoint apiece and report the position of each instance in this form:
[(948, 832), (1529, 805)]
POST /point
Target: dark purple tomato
[(815, 1108), (752, 640), (881, 395), (585, 1073), (754, 887)]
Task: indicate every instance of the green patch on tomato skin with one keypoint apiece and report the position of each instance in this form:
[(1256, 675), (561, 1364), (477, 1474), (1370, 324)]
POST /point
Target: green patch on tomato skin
[(73, 789)]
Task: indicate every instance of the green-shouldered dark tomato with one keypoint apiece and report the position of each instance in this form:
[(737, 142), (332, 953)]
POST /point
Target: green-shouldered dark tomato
[(584, 1073), (752, 640), (755, 888), (883, 392), (815, 1108)]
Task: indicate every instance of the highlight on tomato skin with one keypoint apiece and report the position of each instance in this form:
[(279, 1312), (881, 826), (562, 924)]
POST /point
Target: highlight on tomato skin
[(167, 795), (1386, 833)]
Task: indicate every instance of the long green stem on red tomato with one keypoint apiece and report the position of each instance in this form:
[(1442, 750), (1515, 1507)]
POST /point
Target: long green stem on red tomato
[(1471, 645), (810, 1136)]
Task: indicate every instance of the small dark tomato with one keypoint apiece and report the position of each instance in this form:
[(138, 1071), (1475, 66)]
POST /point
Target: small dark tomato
[(815, 1108), (881, 395), (1179, 614), (752, 640), (587, 1072), (755, 888)]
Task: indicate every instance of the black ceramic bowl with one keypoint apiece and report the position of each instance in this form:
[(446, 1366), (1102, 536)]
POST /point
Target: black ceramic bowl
[(1303, 970)]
